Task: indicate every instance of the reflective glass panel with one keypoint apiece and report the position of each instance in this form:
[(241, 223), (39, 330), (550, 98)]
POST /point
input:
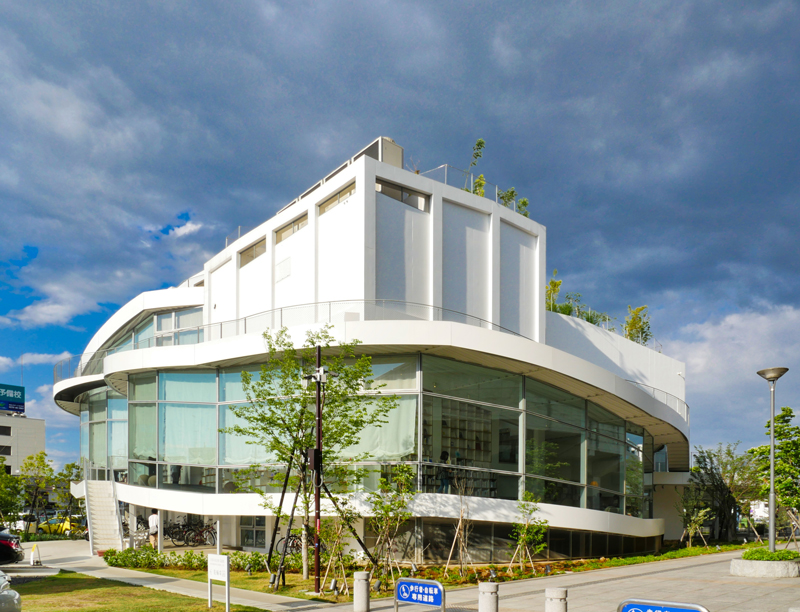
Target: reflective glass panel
[(603, 500), (164, 322), (230, 382), (144, 334), (460, 433), (394, 372), (142, 387), (395, 440), (549, 401), (267, 480), (118, 443), (450, 480), (187, 478), (187, 433), (117, 405), (84, 441), (143, 423), (468, 381), (606, 423), (634, 472), (234, 449), (142, 474), (188, 386), (553, 449), (192, 317), (97, 406), (97, 444), (605, 463), (552, 492)]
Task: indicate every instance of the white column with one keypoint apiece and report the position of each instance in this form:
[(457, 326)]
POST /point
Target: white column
[(160, 532)]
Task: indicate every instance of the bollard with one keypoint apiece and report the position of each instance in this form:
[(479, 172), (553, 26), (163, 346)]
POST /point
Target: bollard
[(555, 600), (361, 592), (487, 597)]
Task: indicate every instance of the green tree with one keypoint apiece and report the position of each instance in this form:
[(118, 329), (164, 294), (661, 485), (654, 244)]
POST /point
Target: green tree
[(280, 413), (389, 513), (69, 505), (787, 464), (11, 491), (693, 511), (530, 534), (637, 325), (551, 293), (729, 480), (37, 475)]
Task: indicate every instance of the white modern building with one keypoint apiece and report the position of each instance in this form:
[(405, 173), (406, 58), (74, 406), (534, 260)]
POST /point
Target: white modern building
[(445, 289)]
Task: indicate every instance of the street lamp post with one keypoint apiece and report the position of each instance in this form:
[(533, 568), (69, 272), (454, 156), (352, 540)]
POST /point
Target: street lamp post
[(772, 375)]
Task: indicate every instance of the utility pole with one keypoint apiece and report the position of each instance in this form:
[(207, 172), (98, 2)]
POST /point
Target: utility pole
[(317, 467)]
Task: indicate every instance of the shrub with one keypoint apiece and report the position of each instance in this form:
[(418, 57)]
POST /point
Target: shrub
[(763, 554)]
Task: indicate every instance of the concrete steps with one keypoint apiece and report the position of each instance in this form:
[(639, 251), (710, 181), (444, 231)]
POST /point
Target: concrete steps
[(101, 505)]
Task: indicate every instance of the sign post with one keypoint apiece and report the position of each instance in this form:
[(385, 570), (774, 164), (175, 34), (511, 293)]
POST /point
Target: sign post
[(12, 398), (420, 592), (651, 605), (219, 568)]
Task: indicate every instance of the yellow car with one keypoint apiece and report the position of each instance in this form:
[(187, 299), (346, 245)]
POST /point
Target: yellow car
[(58, 525)]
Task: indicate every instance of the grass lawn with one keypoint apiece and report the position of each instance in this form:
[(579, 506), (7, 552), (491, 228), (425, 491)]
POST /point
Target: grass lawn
[(69, 591)]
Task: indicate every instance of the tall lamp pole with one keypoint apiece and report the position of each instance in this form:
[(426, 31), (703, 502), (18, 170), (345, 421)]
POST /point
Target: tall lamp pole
[(320, 377), (772, 375)]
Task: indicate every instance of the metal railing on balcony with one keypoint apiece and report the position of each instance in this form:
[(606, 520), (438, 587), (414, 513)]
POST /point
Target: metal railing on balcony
[(467, 181), (677, 404), (307, 314)]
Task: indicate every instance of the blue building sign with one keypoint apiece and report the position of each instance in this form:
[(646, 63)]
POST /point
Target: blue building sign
[(645, 605), (12, 398), (421, 592)]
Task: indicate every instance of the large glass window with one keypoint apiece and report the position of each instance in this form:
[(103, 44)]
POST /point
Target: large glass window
[(465, 434), (337, 199), (235, 449), (553, 492), (187, 433), (85, 440), (142, 387), (191, 317), (142, 474), (143, 335), (604, 422), (471, 382), (291, 228), (395, 372), (252, 252), (97, 406), (187, 478), (97, 444), (188, 386), (118, 443), (605, 463), (117, 405), (230, 383), (396, 440), (549, 401), (603, 500), (143, 421), (415, 199), (553, 449)]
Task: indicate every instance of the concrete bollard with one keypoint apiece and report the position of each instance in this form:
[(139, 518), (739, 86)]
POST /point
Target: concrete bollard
[(487, 597), (555, 600), (361, 592)]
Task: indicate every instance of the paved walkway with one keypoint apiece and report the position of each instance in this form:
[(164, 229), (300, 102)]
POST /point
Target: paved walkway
[(700, 580)]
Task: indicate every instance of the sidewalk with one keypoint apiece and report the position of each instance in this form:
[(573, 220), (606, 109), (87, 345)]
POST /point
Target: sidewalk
[(700, 580), (73, 556)]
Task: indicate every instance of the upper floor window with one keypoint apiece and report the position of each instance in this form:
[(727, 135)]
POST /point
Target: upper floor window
[(5, 430), (337, 198), (252, 252), (289, 229), (415, 199)]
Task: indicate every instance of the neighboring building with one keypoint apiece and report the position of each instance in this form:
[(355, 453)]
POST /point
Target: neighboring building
[(445, 289), (20, 437)]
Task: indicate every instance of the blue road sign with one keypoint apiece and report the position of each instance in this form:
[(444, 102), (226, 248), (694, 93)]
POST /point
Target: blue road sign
[(646, 605), (422, 592)]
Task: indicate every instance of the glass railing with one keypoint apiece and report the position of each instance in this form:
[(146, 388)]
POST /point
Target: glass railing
[(90, 364)]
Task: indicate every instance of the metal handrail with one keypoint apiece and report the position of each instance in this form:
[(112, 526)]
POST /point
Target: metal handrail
[(674, 402), (89, 364), (462, 179)]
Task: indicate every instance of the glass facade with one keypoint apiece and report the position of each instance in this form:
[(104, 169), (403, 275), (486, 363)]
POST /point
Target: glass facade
[(465, 428)]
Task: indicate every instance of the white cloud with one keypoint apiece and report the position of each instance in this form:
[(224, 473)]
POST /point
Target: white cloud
[(6, 363), (42, 358), (186, 230)]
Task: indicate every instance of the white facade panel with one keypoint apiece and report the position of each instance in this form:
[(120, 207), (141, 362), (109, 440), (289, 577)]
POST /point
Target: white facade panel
[(27, 438), (465, 260), (294, 269), (222, 305), (402, 251), (340, 252), (254, 289), (518, 280)]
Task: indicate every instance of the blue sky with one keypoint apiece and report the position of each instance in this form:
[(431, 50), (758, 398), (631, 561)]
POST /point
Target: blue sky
[(658, 142)]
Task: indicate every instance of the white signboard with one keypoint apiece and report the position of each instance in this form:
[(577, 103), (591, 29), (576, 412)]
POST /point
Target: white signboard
[(219, 568)]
